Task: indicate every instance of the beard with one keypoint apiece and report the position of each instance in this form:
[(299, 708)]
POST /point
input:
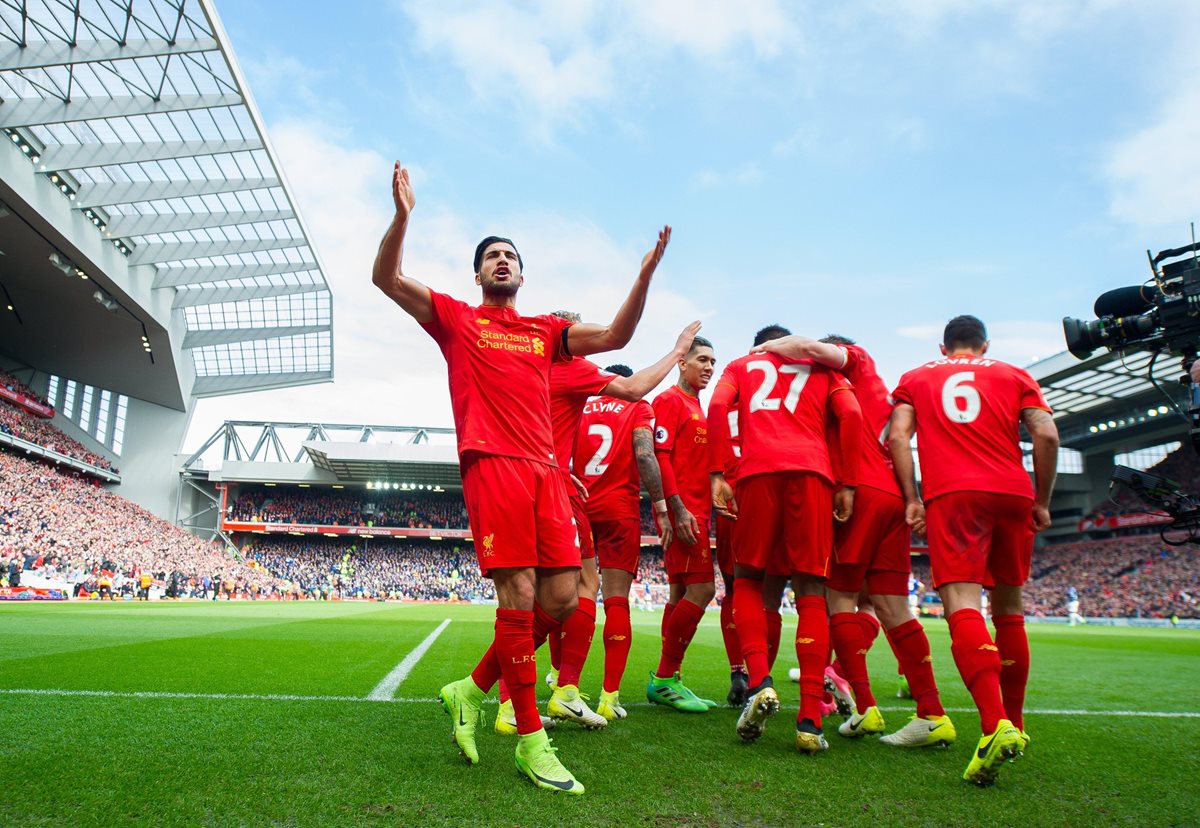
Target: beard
[(502, 290)]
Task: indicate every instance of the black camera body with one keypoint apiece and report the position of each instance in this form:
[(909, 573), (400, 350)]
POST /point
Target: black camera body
[(1162, 315)]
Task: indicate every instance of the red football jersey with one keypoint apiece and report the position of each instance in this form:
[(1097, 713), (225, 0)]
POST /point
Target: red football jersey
[(604, 458), (571, 383), (782, 408), (733, 452), (968, 410), (499, 370), (875, 464), (681, 438)]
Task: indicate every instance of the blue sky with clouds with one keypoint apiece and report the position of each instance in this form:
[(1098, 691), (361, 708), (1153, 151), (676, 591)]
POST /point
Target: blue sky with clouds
[(870, 168)]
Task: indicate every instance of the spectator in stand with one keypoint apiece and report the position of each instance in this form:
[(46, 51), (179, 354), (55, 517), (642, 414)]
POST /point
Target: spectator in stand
[(25, 426)]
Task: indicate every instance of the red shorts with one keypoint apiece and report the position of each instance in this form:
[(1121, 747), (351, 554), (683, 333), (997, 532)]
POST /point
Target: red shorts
[(725, 531), (872, 546), (785, 523), (690, 564), (980, 538), (519, 513), (618, 544), (583, 527)]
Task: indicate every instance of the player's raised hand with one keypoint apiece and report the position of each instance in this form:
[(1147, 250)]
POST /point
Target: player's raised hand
[(914, 516), (1041, 518), (650, 260), (843, 504), (402, 192), (722, 497), (790, 347), (580, 487), (684, 343)]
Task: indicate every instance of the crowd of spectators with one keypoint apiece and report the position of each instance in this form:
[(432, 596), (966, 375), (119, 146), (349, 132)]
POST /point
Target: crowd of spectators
[(1138, 577), (414, 510), (64, 526), (20, 423), (376, 568), (13, 384)]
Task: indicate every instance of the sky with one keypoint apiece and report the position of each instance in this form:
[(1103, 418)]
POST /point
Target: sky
[(868, 168)]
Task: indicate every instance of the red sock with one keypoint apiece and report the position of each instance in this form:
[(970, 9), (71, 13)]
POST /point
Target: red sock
[(870, 628), (978, 663), (733, 648), (682, 628), (543, 624), (836, 666), (911, 646), (751, 617), (851, 648), (774, 633), (895, 652), (555, 642), (487, 671), (618, 636), (514, 649), (576, 641), (812, 648), (502, 691), (1013, 644), (830, 661), (666, 619)]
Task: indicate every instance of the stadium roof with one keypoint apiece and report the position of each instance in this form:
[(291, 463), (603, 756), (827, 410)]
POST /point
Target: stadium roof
[(139, 115), (1109, 397)]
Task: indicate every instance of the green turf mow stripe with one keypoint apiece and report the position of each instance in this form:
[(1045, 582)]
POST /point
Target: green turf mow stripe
[(387, 687), (153, 694)]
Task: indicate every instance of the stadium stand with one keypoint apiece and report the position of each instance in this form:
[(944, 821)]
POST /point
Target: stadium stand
[(63, 526), (25, 426)]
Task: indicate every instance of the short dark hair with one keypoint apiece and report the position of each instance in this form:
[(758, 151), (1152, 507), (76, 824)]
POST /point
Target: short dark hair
[(570, 316), (837, 339), (770, 332), (622, 370), (483, 245), (699, 342), (965, 330)]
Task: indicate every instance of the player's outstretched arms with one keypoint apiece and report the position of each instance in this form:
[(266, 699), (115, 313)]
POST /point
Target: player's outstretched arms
[(647, 464), (387, 274), (1044, 432), (586, 338), (802, 347), (901, 428), (640, 384)]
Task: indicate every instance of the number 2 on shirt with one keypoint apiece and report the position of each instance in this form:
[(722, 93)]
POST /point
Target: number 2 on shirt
[(596, 466), (762, 400)]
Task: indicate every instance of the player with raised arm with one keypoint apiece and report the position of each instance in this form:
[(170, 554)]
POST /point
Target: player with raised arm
[(681, 445), (499, 373), (614, 457), (571, 385), (980, 512), (871, 550), (785, 510)]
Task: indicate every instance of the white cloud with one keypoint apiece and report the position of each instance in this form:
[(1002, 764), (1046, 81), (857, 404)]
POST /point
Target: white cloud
[(387, 370), (1019, 342), (712, 179), (551, 59), (1154, 174)]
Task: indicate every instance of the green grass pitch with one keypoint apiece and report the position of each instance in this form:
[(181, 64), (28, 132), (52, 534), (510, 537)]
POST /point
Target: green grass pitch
[(256, 714)]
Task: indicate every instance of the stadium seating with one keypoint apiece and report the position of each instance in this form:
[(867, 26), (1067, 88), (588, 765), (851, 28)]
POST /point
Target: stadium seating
[(25, 426)]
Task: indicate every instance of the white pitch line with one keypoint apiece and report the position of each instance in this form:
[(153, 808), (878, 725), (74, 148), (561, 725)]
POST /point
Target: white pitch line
[(386, 688), (155, 694)]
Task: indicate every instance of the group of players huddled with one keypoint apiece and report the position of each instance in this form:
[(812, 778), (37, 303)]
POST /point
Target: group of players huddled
[(805, 462)]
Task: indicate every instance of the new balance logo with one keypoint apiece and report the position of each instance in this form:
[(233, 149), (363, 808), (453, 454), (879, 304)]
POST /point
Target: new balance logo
[(991, 647), (927, 660), (862, 652), (805, 640), (617, 637), (1007, 662)]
